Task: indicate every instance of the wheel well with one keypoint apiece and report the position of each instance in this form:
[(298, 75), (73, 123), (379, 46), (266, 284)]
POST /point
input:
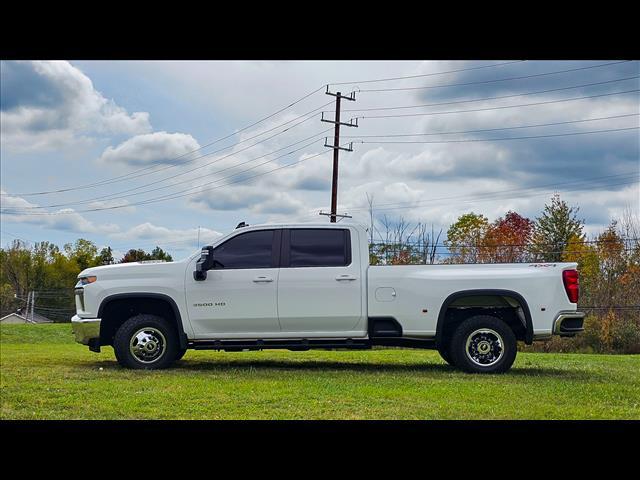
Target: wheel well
[(507, 306), (115, 311)]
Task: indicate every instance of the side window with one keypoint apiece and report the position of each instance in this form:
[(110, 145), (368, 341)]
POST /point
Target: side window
[(319, 247), (247, 250)]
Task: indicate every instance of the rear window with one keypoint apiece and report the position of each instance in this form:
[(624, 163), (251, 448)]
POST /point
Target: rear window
[(317, 247)]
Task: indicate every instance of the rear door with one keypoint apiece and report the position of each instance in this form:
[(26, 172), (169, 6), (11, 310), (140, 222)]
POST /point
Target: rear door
[(320, 284)]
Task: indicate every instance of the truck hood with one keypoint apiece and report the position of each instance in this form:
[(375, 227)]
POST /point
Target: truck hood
[(135, 270)]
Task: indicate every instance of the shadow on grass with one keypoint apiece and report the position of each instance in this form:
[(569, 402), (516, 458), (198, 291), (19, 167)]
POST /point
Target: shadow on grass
[(364, 367), (312, 365)]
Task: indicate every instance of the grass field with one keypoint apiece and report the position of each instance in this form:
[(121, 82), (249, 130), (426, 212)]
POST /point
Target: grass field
[(45, 375)]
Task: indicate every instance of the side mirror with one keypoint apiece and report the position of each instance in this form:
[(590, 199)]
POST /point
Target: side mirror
[(203, 264)]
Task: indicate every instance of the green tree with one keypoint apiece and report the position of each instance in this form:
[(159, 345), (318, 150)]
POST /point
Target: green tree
[(105, 257), (83, 252), (134, 255), (465, 237), (554, 228), (139, 255), (159, 254)]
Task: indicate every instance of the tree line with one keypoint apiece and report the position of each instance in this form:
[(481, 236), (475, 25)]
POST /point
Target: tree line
[(52, 272)]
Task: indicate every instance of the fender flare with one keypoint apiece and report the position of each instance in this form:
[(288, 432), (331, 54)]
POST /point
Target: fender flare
[(182, 336), (528, 338)]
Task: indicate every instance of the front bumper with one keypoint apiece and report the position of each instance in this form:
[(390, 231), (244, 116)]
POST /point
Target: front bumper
[(86, 330), (568, 324)]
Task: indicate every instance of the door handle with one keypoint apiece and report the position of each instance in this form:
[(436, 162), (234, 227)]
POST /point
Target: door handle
[(345, 277), (263, 279)]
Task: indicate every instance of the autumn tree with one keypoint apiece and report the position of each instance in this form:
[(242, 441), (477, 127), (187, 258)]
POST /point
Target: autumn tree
[(465, 238), (552, 230), (507, 239)]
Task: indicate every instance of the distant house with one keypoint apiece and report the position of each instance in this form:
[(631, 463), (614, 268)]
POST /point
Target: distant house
[(20, 317)]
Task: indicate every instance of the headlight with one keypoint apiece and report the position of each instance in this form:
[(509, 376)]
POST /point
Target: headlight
[(87, 280)]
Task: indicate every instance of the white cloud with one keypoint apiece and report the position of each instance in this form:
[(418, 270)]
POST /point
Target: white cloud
[(152, 148), (257, 201), (65, 219), (47, 104), (178, 238)]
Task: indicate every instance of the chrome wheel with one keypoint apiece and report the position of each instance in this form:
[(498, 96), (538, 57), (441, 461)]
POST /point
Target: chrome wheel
[(484, 347), (148, 345)]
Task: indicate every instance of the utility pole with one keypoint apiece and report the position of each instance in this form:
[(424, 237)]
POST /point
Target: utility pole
[(336, 146)]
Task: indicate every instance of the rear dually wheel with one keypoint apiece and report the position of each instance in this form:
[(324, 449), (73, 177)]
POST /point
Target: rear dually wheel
[(484, 344)]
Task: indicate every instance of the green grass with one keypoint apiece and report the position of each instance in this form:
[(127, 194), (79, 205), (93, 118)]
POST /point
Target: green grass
[(45, 375)]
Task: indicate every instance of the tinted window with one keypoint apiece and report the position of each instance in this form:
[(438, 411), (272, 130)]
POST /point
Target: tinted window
[(319, 248), (248, 250)]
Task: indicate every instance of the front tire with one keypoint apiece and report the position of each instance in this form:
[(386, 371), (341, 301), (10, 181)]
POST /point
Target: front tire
[(146, 342), (484, 344)]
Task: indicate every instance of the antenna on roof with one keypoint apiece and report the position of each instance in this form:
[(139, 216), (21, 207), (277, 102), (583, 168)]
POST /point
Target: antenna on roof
[(242, 224)]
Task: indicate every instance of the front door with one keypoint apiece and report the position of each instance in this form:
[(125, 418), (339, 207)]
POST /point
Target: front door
[(239, 296), (320, 286)]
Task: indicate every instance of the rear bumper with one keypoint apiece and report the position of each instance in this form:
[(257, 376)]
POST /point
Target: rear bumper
[(86, 330), (568, 324)]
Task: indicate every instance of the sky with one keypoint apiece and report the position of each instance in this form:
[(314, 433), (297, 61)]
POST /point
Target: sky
[(135, 154)]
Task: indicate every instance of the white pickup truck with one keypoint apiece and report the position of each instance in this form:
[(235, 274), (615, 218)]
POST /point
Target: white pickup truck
[(303, 286)]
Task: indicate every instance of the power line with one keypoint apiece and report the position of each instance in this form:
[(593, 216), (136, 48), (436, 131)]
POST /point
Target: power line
[(501, 139), (370, 142), (494, 129), (112, 197), (476, 197), (187, 192), (152, 200), (160, 198), (495, 98), (494, 80), (429, 74), (113, 179), (518, 189), (117, 195), (173, 195), (629, 182), (501, 107), (132, 175)]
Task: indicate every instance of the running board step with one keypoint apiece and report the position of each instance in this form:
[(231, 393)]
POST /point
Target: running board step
[(238, 345)]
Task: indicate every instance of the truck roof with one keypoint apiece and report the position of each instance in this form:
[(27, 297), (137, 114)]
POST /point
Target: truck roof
[(305, 224)]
